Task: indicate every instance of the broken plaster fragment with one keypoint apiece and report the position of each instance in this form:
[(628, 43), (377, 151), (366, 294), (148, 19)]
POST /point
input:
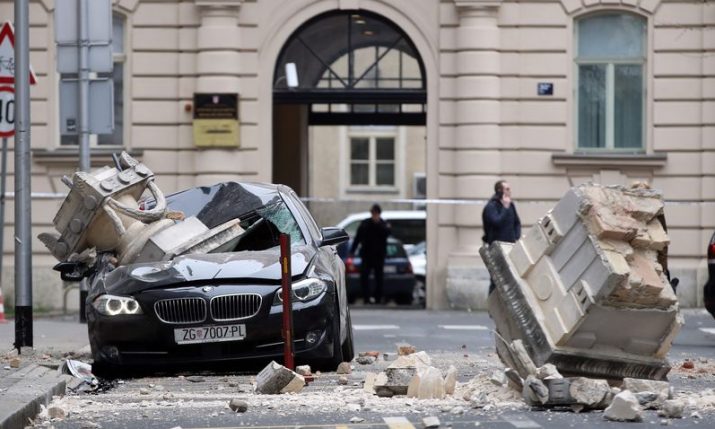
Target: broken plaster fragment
[(624, 408)]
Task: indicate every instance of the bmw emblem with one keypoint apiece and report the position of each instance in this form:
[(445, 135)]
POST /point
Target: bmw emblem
[(207, 288)]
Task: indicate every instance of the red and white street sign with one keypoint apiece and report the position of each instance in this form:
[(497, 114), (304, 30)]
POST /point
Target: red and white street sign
[(7, 56), (7, 111)]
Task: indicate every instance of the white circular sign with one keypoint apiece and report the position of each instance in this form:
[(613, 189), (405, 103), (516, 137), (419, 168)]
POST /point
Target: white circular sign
[(7, 111)]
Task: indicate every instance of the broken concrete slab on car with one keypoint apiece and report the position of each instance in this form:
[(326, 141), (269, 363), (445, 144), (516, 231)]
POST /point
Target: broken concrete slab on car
[(586, 288)]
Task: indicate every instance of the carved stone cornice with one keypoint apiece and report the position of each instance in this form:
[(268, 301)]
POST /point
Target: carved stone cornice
[(467, 5), (218, 3)]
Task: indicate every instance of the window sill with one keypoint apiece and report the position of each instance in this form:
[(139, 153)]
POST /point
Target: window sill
[(100, 156), (372, 190), (609, 159)]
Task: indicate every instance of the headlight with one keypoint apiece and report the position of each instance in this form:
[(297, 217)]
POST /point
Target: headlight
[(303, 290), (112, 305)]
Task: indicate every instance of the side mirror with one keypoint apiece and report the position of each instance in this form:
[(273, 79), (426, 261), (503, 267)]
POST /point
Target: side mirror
[(333, 236), (71, 271)]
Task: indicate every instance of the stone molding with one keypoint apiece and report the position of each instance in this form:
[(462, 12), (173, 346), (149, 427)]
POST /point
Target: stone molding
[(477, 4), (477, 8), (656, 160), (572, 7), (218, 3)]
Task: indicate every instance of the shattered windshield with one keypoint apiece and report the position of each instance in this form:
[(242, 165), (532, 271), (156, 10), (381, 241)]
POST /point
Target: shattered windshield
[(265, 224), (261, 211)]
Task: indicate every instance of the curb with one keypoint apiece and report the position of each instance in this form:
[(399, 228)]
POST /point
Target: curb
[(24, 390)]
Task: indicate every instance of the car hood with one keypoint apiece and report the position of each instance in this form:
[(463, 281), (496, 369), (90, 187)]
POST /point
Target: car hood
[(261, 266)]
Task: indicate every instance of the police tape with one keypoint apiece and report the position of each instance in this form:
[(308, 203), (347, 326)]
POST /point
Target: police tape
[(414, 201), (461, 201)]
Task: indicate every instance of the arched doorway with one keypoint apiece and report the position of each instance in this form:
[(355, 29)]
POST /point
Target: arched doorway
[(343, 68)]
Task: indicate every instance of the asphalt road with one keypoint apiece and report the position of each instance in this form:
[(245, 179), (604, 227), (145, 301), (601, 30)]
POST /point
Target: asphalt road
[(451, 338)]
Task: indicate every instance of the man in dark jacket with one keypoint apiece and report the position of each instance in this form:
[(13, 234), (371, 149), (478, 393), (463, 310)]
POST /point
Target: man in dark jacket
[(372, 237), (499, 217)]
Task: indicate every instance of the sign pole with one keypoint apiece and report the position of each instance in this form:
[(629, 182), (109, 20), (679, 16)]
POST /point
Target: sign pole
[(83, 23), (287, 293), (3, 182), (23, 210)]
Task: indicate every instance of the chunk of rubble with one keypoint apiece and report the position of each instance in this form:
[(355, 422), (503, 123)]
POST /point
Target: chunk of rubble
[(498, 378), (514, 378), (365, 360), (56, 413), (395, 379), (578, 288), (427, 383), (276, 379), (344, 368), (535, 391), (369, 384), (404, 349), (672, 409), (304, 370), (651, 394), (450, 380), (548, 372), (431, 422), (624, 408), (591, 393), (238, 405)]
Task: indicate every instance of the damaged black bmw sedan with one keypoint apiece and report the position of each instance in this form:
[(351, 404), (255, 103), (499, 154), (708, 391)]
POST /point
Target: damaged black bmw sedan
[(225, 305)]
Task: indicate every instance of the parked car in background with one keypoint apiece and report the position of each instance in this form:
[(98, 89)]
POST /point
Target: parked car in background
[(408, 226), (709, 290), (398, 280), (219, 307), (418, 259)]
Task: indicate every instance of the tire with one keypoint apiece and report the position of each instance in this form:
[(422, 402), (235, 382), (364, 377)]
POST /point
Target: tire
[(403, 299), (106, 370), (332, 363), (348, 349), (419, 293)]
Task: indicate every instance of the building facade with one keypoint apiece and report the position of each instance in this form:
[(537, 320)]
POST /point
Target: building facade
[(545, 94)]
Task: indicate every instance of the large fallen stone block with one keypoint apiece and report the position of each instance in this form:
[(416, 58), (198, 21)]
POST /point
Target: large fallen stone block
[(101, 213), (585, 289)]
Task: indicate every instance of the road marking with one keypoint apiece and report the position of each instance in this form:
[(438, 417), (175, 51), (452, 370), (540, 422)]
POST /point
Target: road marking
[(375, 327), (521, 422), (398, 423), (710, 331), (465, 327)]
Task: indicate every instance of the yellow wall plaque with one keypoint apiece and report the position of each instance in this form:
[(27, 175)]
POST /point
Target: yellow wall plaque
[(216, 120)]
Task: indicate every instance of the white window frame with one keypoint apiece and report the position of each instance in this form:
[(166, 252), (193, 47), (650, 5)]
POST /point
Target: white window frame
[(372, 133), (122, 58), (610, 90)]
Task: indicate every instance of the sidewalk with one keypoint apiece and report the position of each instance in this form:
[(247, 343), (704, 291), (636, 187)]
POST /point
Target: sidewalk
[(35, 379)]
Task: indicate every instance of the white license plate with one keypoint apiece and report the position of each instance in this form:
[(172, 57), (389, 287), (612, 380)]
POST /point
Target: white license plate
[(209, 334), (391, 269)]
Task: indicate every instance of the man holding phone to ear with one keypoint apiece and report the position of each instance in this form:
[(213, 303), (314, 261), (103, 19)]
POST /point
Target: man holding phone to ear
[(499, 218)]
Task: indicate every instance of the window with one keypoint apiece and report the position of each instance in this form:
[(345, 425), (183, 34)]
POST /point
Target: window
[(119, 58), (372, 161), (610, 62)]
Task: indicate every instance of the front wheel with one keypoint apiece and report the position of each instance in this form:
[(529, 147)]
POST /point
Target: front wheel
[(348, 350), (331, 364)]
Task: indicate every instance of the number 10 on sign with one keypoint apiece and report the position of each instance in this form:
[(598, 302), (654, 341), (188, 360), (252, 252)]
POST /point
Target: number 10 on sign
[(7, 111)]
